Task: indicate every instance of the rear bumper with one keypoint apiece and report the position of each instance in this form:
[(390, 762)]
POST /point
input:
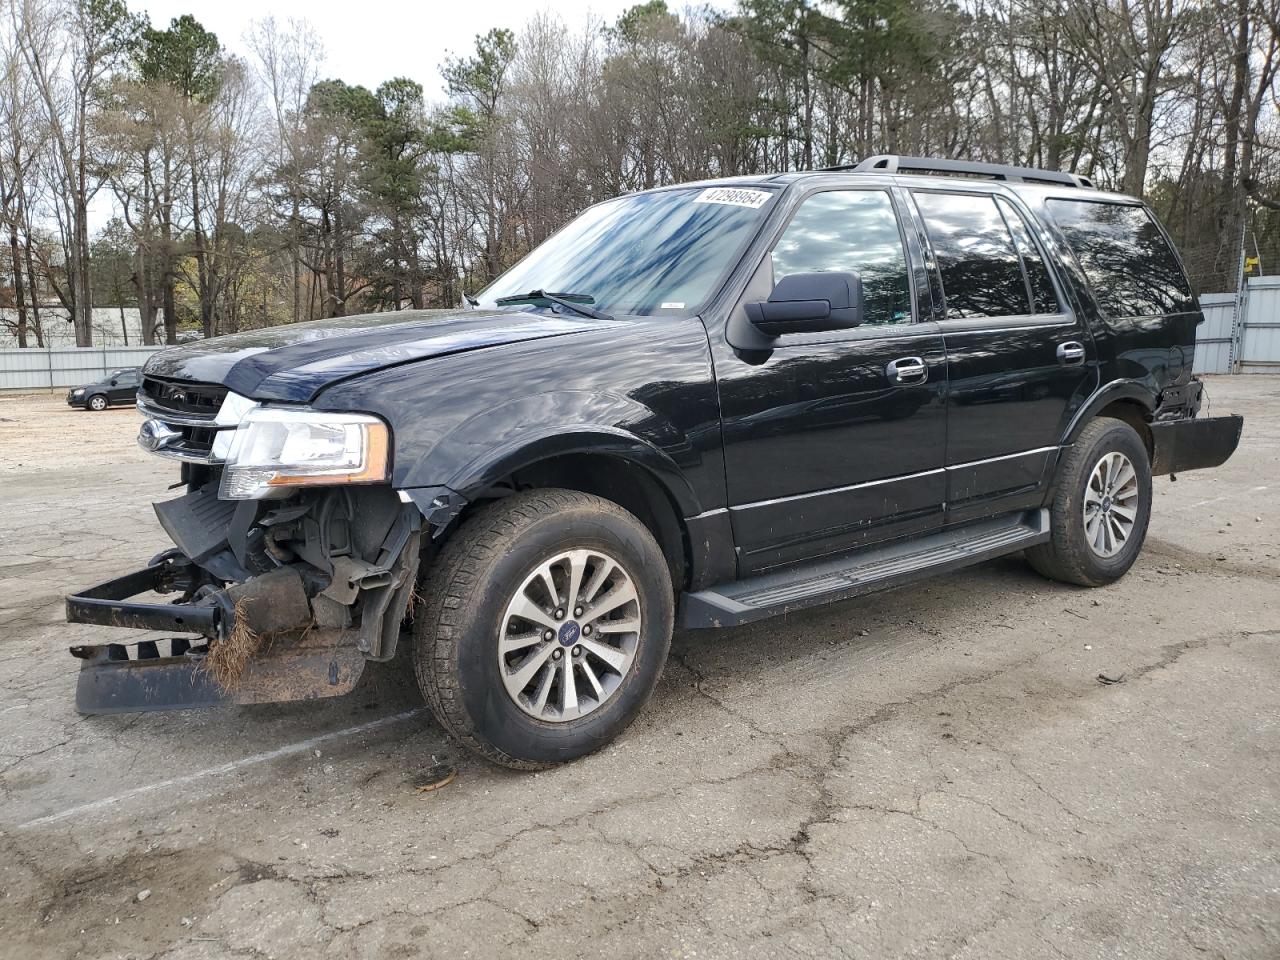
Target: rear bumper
[(1180, 445)]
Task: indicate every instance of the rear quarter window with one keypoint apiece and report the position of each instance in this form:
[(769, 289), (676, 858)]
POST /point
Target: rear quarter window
[(1131, 268)]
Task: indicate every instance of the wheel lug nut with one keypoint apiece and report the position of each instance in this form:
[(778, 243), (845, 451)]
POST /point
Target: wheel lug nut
[(557, 654), (586, 631), (549, 635), (559, 614), (577, 611), (577, 651)]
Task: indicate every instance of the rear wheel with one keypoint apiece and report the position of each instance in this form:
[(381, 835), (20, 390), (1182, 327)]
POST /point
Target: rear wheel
[(544, 627), (1100, 509), (97, 402)]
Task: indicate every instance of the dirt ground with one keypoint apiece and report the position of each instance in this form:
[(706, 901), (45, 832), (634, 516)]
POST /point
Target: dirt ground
[(933, 772)]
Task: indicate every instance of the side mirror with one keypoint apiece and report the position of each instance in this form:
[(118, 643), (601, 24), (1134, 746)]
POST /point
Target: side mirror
[(809, 303), (114, 383)]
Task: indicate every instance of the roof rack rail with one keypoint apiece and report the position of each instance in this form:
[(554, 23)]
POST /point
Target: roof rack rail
[(892, 163)]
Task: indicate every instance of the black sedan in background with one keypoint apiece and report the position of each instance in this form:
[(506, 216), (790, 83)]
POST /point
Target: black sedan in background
[(120, 387)]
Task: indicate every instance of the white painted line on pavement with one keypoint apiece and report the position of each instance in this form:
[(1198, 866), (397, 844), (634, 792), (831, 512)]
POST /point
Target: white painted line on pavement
[(229, 767), (1227, 496)]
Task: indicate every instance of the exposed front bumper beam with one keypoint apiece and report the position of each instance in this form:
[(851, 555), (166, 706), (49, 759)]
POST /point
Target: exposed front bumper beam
[(109, 604), (295, 658), (1180, 445)]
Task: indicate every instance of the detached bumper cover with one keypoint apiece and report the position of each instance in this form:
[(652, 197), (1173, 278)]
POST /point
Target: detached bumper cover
[(168, 674), (1181, 445)]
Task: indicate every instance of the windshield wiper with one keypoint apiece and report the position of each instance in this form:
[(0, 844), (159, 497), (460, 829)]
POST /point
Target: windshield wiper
[(577, 302)]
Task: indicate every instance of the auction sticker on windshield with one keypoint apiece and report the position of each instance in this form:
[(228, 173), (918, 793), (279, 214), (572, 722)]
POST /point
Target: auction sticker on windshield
[(734, 197)]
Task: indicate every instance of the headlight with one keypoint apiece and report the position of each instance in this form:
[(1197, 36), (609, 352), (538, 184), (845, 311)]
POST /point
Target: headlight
[(278, 448), (78, 393)]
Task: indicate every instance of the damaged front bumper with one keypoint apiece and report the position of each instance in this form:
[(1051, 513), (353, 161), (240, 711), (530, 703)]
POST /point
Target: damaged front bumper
[(319, 584)]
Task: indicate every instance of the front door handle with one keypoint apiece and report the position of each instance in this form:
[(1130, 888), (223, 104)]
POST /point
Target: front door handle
[(907, 370), (1070, 353)]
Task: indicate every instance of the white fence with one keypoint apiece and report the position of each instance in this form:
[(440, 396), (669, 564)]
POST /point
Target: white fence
[(112, 327), (1240, 334), (1213, 337), (33, 369)]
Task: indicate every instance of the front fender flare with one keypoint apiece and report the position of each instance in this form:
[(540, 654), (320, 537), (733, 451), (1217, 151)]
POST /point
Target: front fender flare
[(492, 445)]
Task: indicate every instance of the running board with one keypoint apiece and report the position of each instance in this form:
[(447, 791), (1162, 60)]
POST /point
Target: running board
[(825, 581)]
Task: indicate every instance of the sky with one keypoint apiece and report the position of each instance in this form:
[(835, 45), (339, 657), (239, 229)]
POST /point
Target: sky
[(369, 41)]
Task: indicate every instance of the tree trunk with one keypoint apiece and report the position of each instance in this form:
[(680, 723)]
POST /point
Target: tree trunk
[(146, 297), (18, 292), (339, 269), (202, 268), (78, 269), (32, 287)]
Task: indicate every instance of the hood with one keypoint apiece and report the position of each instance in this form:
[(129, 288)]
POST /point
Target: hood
[(297, 361)]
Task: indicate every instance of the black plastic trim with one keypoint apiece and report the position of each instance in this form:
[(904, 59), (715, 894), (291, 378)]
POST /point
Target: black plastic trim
[(1182, 445), (867, 571)]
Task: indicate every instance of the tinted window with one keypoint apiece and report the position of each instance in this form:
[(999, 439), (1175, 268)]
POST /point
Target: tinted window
[(1043, 295), (981, 272), (642, 254), (1131, 268), (856, 231)]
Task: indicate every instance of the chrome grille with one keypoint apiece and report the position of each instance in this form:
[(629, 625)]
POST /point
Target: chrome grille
[(183, 419)]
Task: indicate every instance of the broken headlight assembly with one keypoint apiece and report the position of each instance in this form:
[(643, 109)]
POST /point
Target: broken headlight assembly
[(274, 450)]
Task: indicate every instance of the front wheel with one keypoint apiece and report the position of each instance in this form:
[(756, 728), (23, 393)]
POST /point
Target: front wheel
[(544, 627), (97, 403), (1100, 509)]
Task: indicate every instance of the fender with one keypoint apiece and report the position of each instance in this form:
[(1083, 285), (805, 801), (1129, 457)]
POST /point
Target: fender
[(491, 445), (1109, 393)]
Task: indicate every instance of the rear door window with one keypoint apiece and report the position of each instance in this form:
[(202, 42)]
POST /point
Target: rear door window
[(1131, 269), (980, 267), (1043, 295)]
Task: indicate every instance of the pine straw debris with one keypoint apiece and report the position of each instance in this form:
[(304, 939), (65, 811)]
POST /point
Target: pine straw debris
[(228, 658)]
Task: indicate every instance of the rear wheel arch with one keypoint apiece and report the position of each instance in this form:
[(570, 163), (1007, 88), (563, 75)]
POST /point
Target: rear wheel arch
[(1125, 400), (1135, 415)]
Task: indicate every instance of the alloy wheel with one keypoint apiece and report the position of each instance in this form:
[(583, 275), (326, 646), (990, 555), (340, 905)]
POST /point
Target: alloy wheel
[(1110, 504), (569, 635)]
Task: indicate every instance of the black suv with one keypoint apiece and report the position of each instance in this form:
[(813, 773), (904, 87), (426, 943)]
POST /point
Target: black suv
[(120, 387), (695, 406)]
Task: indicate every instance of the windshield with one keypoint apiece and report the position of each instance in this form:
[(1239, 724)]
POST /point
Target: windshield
[(643, 254)]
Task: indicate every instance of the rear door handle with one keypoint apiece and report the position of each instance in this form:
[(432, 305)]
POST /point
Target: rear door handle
[(907, 370), (1070, 353)]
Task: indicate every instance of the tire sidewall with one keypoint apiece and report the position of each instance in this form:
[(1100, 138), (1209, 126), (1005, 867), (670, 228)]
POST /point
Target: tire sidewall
[(1120, 438), (90, 403), (484, 697)]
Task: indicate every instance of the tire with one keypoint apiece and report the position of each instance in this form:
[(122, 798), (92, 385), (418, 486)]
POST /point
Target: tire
[(490, 568), (97, 403), (1078, 551)]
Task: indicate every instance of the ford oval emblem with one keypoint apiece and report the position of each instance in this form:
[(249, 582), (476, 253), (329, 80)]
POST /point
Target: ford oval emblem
[(569, 633)]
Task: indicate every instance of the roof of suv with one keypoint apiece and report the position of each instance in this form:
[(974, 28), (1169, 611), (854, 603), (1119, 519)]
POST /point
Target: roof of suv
[(939, 173)]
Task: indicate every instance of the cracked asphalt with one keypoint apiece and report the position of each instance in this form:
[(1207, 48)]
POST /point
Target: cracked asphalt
[(932, 772)]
